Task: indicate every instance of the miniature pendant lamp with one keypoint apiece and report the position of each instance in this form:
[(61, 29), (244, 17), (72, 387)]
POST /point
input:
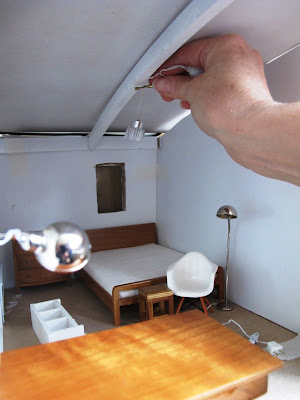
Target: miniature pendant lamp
[(226, 212), (61, 247), (135, 131)]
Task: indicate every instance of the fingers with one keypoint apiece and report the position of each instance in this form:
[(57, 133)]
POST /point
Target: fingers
[(173, 87), (189, 54), (198, 52), (168, 99)]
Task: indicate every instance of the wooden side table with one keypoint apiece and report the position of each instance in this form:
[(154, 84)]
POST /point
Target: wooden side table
[(152, 294)]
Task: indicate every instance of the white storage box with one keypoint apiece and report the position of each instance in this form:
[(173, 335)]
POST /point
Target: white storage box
[(51, 322)]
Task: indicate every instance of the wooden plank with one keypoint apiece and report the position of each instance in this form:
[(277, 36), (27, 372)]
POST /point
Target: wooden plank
[(177, 357)]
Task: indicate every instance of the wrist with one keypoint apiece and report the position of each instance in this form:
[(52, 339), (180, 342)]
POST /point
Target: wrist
[(265, 139)]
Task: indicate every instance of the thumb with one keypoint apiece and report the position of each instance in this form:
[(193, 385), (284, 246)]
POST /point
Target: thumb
[(173, 87)]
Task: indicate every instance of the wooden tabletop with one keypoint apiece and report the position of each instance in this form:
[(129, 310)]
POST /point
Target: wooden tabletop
[(183, 356)]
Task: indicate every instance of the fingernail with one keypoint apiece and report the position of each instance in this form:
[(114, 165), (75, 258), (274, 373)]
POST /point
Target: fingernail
[(162, 85)]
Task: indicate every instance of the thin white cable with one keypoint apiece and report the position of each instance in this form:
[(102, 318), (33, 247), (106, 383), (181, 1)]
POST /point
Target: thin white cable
[(160, 73), (253, 338), (192, 71), (140, 103), (211, 304), (283, 53)]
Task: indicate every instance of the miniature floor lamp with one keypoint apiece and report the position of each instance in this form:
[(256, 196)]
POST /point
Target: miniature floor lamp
[(226, 212), (61, 247)]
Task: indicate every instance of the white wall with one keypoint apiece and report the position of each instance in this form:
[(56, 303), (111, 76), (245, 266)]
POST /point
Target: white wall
[(41, 188), (195, 178)]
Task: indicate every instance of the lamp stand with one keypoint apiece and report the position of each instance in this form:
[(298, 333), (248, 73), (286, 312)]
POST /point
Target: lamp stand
[(226, 305)]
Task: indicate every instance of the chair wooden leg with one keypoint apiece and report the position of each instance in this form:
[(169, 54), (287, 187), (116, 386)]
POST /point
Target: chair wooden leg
[(180, 305), (203, 306), (208, 304)]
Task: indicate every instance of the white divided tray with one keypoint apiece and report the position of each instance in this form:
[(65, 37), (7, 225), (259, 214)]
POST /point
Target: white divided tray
[(51, 322)]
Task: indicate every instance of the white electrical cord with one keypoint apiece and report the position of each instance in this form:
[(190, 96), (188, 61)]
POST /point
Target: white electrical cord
[(140, 103), (211, 304), (192, 71), (252, 338)]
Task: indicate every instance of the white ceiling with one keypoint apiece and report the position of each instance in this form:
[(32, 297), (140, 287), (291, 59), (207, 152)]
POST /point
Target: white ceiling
[(61, 61), (271, 27), (283, 77)]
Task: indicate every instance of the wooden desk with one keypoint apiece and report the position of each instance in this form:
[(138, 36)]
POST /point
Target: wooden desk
[(183, 356)]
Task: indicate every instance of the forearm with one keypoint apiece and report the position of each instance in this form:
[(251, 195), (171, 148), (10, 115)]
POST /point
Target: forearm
[(267, 141)]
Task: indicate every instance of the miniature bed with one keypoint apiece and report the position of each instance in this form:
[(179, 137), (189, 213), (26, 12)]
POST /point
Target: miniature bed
[(126, 258)]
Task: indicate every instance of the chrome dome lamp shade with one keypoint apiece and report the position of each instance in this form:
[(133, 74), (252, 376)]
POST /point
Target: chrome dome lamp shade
[(226, 212)]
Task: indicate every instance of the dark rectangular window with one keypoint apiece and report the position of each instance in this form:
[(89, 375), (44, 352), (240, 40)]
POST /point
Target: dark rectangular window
[(110, 187)]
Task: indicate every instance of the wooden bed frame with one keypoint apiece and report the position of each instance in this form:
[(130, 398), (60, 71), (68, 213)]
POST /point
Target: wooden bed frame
[(122, 237)]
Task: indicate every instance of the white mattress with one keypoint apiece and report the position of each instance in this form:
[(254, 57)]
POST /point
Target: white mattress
[(132, 264)]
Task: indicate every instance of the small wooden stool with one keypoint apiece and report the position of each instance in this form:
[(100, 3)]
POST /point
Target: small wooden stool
[(149, 295)]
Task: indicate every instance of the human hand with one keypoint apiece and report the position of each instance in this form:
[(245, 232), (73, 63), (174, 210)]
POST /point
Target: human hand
[(233, 82), (231, 102)]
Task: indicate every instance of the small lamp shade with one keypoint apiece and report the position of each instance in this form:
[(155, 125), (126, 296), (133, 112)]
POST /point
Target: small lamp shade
[(135, 131), (227, 212)]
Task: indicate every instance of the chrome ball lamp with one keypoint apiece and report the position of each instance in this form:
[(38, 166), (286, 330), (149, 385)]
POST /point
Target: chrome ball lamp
[(61, 247)]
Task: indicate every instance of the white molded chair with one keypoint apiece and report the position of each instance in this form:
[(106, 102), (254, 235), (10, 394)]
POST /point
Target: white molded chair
[(192, 276)]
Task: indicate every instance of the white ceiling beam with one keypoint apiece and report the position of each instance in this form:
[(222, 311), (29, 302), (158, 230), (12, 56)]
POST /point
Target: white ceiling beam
[(196, 15)]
